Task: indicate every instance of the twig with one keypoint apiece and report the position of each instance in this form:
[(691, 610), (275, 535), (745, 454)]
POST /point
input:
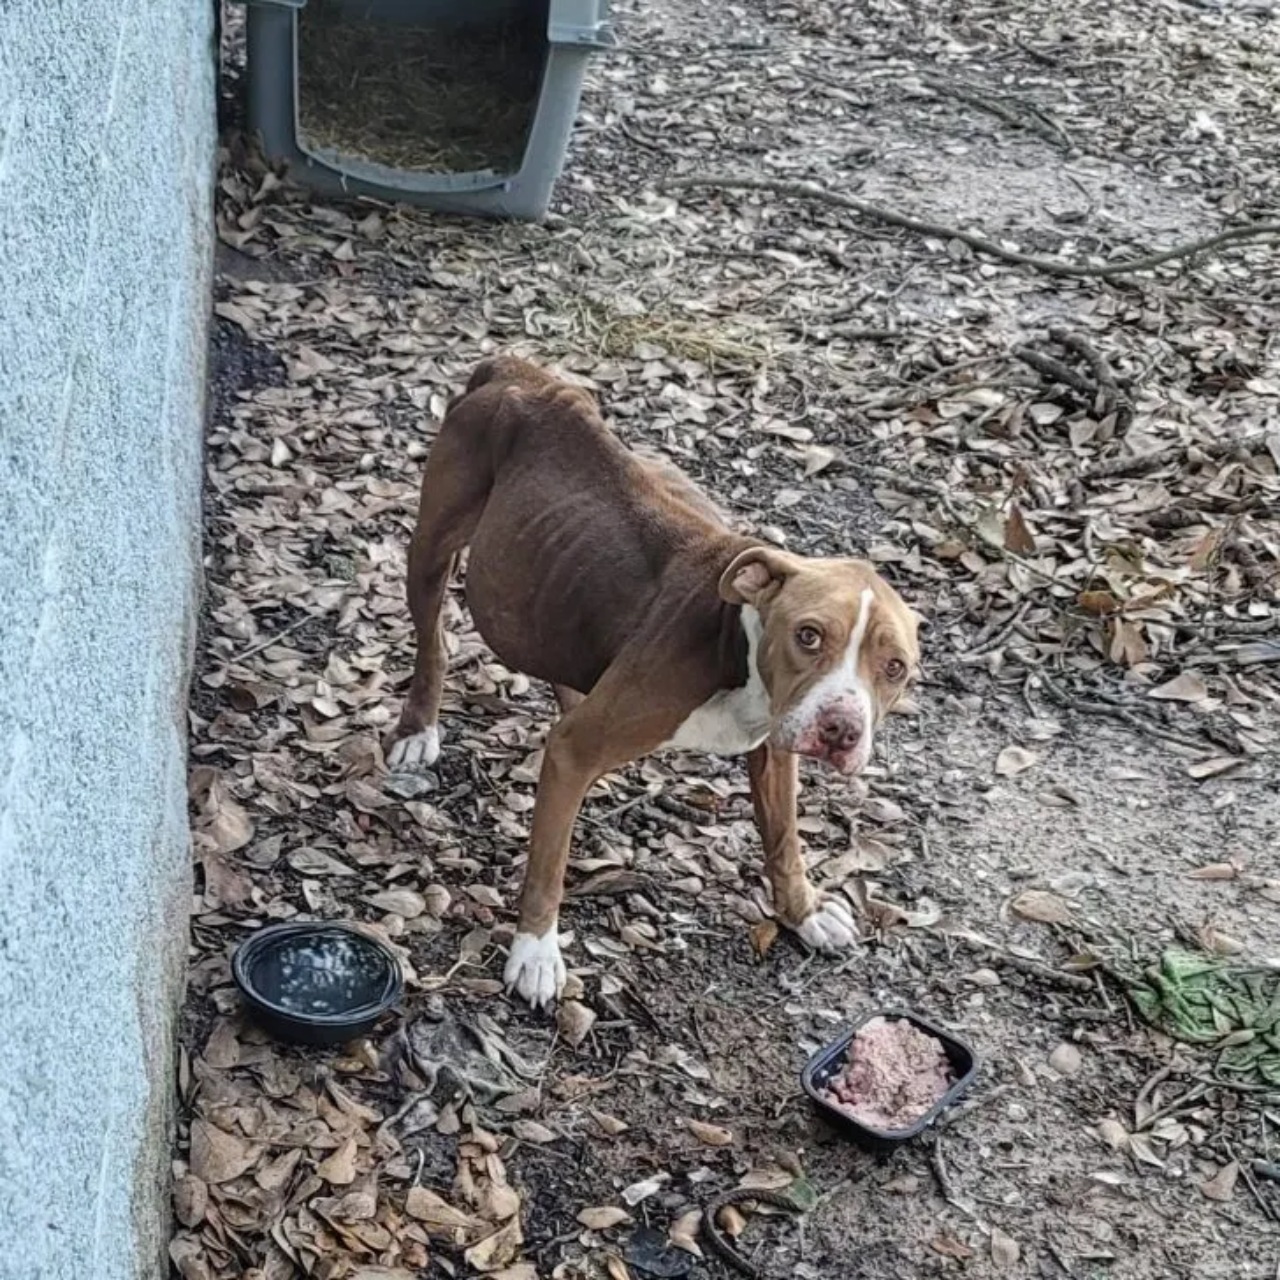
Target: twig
[(1135, 722), (272, 639), (1035, 969), (948, 1118), (994, 642), (980, 244), (1058, 371), (1024, 119), (1097, 362), (1145, 463)]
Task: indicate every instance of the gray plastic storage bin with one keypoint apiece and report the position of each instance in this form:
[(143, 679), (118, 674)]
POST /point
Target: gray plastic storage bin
[(460, 105)]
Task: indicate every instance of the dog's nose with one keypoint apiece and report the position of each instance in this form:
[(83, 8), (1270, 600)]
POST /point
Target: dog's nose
[(839, 732)]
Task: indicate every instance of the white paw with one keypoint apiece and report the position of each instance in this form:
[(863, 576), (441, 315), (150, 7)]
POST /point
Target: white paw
[(413, 754), (829, 928), (534, 967)]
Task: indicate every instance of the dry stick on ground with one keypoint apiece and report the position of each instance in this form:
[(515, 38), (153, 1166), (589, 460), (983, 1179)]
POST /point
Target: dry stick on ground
[(1056, 370), (1144, 463), (1030, 117), (1105, 379), (980, 244)]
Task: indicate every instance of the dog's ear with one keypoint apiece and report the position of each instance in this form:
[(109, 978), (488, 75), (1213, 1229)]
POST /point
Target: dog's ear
[(754, 573)]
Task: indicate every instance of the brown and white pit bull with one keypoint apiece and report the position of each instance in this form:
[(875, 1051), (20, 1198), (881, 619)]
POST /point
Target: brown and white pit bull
[(614, 579)]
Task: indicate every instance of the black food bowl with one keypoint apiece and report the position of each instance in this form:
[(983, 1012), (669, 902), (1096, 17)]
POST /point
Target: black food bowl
[(827, 1062), (316, 983)]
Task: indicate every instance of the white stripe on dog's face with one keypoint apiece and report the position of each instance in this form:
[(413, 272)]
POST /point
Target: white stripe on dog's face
[(841, 693)]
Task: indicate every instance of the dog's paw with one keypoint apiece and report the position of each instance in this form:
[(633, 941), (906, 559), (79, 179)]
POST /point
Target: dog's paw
[(830, 928), (534, 967), (415, 753)]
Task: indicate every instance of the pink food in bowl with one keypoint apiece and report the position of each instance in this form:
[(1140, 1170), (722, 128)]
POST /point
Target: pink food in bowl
[(893, 1075)]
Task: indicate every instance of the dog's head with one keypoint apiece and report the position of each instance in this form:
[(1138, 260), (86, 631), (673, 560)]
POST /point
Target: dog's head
[(837, 649)]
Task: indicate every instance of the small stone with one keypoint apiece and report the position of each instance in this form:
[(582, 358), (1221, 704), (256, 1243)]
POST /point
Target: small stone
[(1066, 1060), (1017, 1113), (983, 978)]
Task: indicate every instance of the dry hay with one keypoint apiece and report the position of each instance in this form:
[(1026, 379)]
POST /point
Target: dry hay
[(445, 98)]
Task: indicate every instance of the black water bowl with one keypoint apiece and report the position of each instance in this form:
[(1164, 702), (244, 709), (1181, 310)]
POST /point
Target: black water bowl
[(827, 1062), (316, 983)]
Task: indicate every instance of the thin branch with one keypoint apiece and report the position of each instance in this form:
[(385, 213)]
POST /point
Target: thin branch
[(980, 244)]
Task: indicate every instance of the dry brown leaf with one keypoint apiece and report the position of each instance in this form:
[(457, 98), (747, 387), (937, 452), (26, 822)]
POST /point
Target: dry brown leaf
[(1015, 760), (222, 1049), (402, 902), (1099, 603), (684, 1232), (218, 1156), (438, 1214), (610, 1126), (1212, 766), (575, 1020), (1041, 906), (1018, 537), (1128, 646), (818, 457), (645, 1188), (188, 1257), (950, 1246), (604, 1217), (616, 1268), (339, 1168), (1114, 1134), (1222, 1186), (190, 1200), (497, 1250), (1214, 871), (1187, 687), (731, 1221), (1005, 1251), (274, 1174), (710, 1135), (532, 1131)]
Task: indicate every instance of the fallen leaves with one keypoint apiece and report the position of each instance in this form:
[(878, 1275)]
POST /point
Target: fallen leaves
[(218, 1156), (603, 1218), (1213, 766), (1186, 687), (1005, 1250), (436, 1212), (575, 1020), (1222, 1185), (1015, 760), (710, 1135), (1041, 906)]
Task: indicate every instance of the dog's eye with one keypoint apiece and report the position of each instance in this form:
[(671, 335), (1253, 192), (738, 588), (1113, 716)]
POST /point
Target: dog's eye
[(895, 669), (809, 638)]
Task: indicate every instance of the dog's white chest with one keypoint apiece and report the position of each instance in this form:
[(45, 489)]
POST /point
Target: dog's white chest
[(733, 721)]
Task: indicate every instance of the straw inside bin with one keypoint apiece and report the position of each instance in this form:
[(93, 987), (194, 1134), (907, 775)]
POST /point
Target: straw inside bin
[(441, 96)]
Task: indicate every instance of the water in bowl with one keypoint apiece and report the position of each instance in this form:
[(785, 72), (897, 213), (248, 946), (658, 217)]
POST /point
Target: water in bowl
[(319, 976)]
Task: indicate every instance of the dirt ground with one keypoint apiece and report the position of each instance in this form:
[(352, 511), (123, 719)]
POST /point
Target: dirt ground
[(1035, 829)]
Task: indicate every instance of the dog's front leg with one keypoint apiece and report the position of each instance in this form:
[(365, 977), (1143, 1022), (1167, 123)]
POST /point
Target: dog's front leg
[(607, 729), (534, 967), (824, 925)]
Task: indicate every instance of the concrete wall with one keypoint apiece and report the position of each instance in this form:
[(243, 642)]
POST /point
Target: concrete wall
[(106, 167)]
